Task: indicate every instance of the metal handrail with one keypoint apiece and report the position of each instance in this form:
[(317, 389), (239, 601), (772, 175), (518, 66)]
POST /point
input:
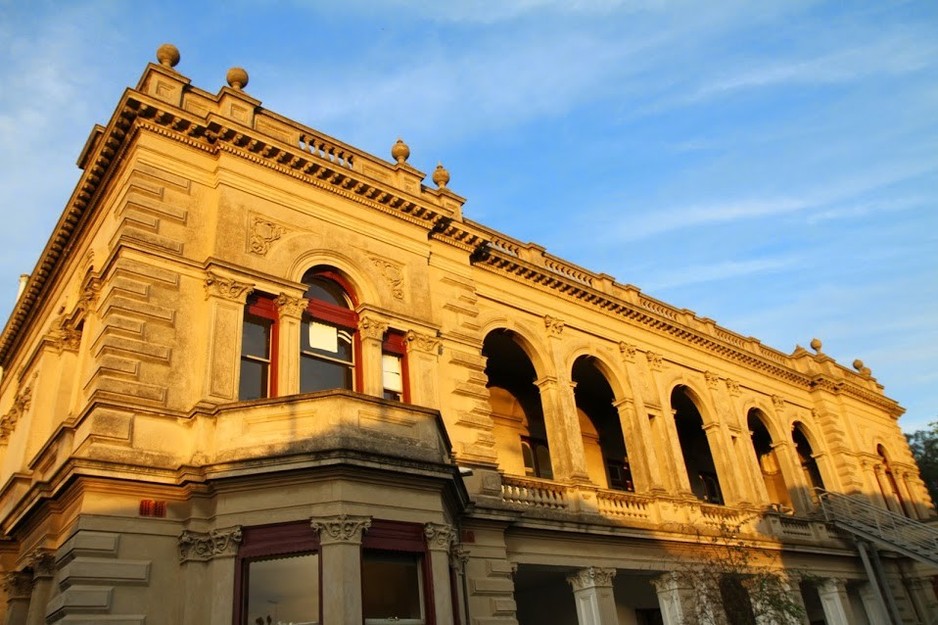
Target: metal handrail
[(896, 530)]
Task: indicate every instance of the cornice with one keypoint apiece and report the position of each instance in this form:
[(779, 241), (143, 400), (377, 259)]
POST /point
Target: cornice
[(328, 164)]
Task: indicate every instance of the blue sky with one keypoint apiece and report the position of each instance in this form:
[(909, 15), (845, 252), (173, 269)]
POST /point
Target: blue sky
[(771, 165)]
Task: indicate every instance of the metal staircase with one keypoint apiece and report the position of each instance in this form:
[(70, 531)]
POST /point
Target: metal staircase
[(887, 529)]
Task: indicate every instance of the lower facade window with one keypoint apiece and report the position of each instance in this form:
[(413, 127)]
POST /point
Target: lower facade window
[(279, 576), (258, 349), (392, 588)]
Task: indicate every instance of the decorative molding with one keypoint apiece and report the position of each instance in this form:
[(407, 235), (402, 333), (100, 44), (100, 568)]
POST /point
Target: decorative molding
[(554, 326), (226, 288), (65, 336), (779, 404), (392, 273), (458, 555), (654, 361), (591, 577), (732, 386), (713, 380), (628, 351), (263, 234), (343, 528), (18, 585), (20, 405), (372, 327), (202, 547), (440, 537), (423, 343), (89, 295), (292, 307)]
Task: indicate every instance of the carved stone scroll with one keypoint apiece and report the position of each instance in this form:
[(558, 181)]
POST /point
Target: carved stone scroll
[(343, 528), (226, 288), (591, 577), (440, 537), (423, 343), (263, 234), (201, 546)]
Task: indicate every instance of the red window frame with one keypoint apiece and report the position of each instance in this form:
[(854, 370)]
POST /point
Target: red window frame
[(265, 306), (268, 541), (403, 537), (347, 318), (395, 343)]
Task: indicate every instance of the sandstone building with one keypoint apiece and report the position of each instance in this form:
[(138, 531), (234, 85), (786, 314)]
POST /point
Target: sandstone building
[(260, 376)]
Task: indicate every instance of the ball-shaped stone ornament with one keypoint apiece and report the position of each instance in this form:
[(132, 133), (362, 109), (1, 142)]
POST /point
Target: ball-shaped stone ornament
[(237, 78), (816, 344), (168, 55), (858, 364)]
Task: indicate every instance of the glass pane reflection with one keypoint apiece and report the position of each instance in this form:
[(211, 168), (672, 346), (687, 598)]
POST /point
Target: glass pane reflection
[(283, 591)]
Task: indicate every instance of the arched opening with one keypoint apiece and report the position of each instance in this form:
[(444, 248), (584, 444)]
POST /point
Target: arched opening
[(515, 401), (889, 486), (329, 346), (769, 466), (698, 459), (603, 443), (812, 473)]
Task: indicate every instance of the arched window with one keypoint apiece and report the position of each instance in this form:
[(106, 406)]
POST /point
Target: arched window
[(808, 462), (516, 406), (890, 489), (328, 343), (769, 465), (603, 443), (698, 460)]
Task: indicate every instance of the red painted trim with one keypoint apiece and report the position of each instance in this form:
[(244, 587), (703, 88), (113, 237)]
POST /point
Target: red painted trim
[(395, 342), (265, 306)]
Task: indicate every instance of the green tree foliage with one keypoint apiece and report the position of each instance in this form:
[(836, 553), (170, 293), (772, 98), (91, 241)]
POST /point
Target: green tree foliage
[(924, 444)]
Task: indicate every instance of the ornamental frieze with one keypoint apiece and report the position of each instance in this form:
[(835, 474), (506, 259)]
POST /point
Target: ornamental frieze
[(393, 275), (8, 421), (554, 326), (226, 288), (202, 546), (343, 528), (263, 234)]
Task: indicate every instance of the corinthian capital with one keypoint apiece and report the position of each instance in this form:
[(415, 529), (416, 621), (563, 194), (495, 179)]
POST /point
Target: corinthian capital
[(372, 327), (591, 578), (343, 528), (203, 546), (226, 288)]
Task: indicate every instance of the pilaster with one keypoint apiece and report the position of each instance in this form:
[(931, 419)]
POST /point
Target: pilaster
[(290, 308), (43, 565), (440, 541), (423, 355), (371, 330), (206, 559), (340, 539), (835, 602), (226, 298), (592, 591)]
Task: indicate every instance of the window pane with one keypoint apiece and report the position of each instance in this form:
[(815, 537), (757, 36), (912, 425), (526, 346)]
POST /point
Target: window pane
[(326, 290), (253, 383), (328, 340), (543, 462), (284, 590), (255, 339), (528, 457), (391, 586), (391, 365), (321, 375)]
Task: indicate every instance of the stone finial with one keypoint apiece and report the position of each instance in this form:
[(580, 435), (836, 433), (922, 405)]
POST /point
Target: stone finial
[(861, 368), (237, 78), (858, 364), (168, 55), (400, 151), (816, 345), (440, 176)]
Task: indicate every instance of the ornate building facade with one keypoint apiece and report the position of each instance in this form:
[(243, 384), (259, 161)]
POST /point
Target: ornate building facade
[(260, 376)]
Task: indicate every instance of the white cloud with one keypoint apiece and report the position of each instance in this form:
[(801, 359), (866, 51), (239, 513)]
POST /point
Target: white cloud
[(731, 269)]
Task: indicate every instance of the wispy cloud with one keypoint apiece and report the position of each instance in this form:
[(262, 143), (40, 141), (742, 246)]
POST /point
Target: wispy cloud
[(716, 272)]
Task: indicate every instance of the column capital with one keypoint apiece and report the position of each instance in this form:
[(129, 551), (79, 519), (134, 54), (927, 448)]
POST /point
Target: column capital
[(423, 343), (627, 350), (226, 288), (591, 577), (291, 307), (204, 546), (42, 561), (440, 536), (18, 584), (372, 327), (342, 528), (554, 326)]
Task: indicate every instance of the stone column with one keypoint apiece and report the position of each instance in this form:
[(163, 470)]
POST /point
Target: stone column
[(592, 591), (217, 549), (226, 299), (836, 603), (43, 565), (923, 598), (872, 605), (340, 539), (440, 539), (288, 343), (645, 464), (423, 355), (371, 329), (674, 597), (793, 475), (905, 493), (18, 586)]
